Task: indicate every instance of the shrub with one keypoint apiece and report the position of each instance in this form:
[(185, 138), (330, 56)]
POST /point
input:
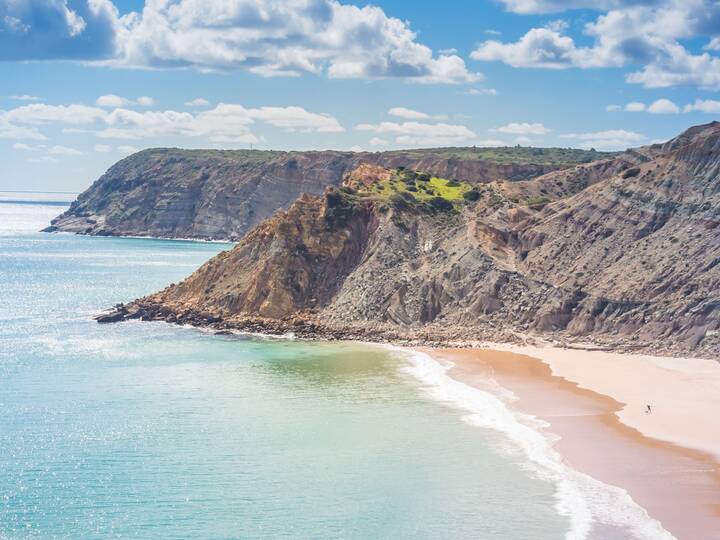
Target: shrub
[(631, 172), (453, 183), (536, 201), (472, 195), (440, 204), (423, 177)]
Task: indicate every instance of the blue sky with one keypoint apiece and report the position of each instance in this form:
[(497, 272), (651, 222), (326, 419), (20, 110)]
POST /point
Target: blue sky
[(86, 82)]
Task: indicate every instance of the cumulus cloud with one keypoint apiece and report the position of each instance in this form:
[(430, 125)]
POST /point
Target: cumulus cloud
[(703, 105), (522, 128), (40, 113), (613, 139), (224, 123), (57, 29), (421, 133), (197, 102), (25, 97), (635, 106), (267, 37), (551, 6), (377, 141), (613, 108), (13, 131), (663, 106), (647, 33), (112, 101), (410, 114)]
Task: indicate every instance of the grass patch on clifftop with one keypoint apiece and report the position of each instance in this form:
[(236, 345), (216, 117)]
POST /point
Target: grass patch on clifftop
[(422, 187)]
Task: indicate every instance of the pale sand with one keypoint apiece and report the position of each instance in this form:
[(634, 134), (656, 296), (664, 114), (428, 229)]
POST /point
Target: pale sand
[(684, 393), (678, 486)]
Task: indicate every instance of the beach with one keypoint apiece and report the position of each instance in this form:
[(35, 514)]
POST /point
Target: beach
[(594, 408)]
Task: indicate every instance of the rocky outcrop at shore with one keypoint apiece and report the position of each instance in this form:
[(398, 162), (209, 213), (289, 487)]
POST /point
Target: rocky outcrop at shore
[(222, 194), (630, 261)]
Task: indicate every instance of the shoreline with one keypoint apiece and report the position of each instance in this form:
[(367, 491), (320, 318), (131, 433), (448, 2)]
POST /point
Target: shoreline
[(672, 485), (310, 325), (676, 483)]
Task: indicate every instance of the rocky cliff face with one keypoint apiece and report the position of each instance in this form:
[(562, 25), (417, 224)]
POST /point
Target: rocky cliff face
[(631, 260), (220, 194)]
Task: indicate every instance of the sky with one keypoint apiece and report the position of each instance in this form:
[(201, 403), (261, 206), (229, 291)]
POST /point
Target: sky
[(84, 83)]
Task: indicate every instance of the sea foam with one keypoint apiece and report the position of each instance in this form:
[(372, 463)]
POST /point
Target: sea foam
[(590, 505)]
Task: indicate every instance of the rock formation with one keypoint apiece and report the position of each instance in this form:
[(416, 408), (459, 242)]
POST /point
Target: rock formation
[(624, 253), (222, 194)]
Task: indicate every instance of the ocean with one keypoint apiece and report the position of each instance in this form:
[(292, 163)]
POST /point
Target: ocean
[(150, 430)]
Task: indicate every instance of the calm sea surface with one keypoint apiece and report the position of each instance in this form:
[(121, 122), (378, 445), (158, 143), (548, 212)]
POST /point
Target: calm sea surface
[(148, 430)]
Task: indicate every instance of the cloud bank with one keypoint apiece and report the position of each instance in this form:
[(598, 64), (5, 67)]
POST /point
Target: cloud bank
[(267, 37)]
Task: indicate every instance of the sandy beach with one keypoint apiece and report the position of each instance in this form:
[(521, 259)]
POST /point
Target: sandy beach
[(595, 403)]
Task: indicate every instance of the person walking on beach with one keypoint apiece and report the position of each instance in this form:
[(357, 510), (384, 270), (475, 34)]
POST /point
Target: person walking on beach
[(648, 409)]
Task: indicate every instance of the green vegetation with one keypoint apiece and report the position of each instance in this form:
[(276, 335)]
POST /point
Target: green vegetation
[(534, 202), (422, 187)]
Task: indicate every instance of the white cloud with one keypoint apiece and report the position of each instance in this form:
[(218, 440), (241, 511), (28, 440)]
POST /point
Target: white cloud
[(125, 149), (59, 150), (25, 97), (112, 101), (713, 45), (410, 114), (613, 139), (39, 113), (356, 148), (222, 124), (638, 33), (481, 92), (663, 106), (613, 108), (24, 147), (12, 131), (422, 134), (377, 141), (282, 38), (635, 106), (523, 140), (522, 128), (551, 6), (102, 148), (704, 105), (197, 102)]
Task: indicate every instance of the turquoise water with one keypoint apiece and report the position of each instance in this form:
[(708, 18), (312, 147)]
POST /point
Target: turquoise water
[(148, 430)]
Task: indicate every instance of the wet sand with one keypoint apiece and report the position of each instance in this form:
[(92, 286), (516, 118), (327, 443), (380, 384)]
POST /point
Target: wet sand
[(678, 486)]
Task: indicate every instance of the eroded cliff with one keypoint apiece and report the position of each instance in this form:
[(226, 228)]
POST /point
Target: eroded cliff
[(222, 194), (630, 260)]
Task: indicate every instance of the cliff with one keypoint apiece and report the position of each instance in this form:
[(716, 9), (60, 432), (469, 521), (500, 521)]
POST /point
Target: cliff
[(624, 253), (222, 194)]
